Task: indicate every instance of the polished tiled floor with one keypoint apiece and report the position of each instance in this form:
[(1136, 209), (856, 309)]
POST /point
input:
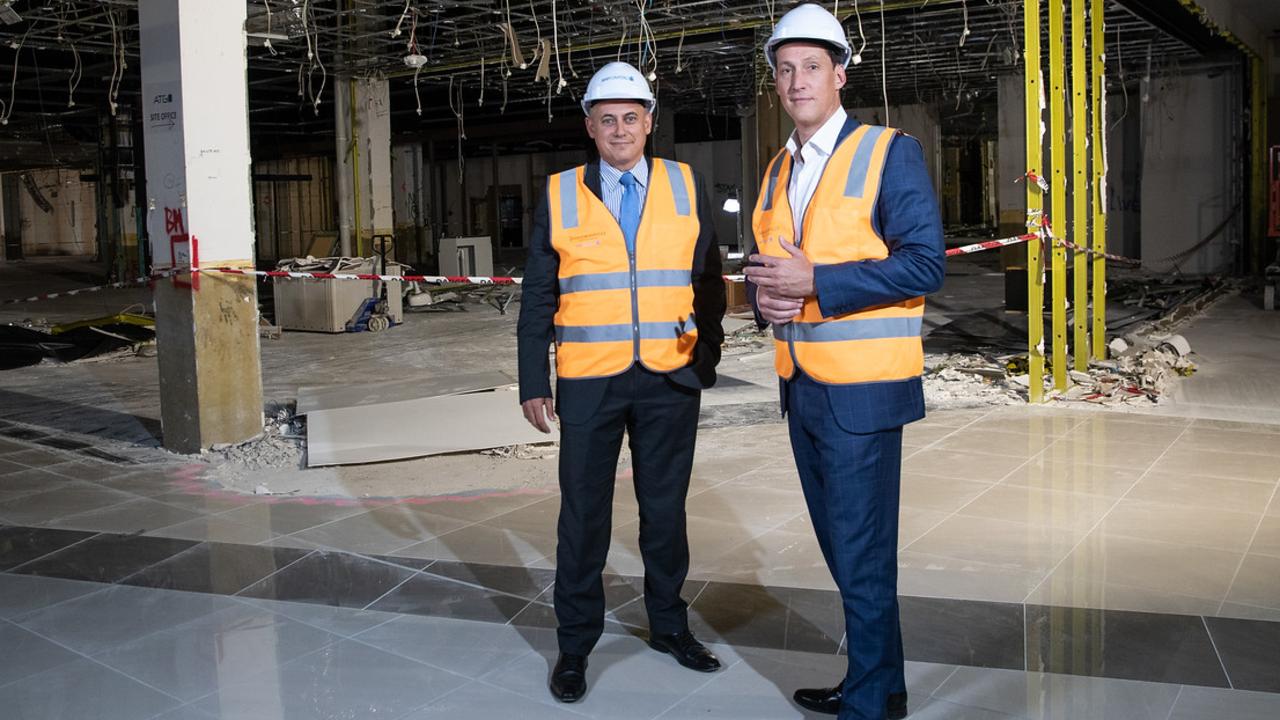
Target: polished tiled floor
[(1054, 564)]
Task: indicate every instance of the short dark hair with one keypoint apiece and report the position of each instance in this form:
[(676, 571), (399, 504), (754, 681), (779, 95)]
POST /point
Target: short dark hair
[(836, 53)]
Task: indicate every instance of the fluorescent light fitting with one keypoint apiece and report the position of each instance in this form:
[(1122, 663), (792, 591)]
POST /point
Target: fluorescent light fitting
[(8, 14), (731, 205), (267, 35)]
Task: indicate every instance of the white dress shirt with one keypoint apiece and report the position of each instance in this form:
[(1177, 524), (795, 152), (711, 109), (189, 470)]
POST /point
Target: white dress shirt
[(611, 185), (807, 166)]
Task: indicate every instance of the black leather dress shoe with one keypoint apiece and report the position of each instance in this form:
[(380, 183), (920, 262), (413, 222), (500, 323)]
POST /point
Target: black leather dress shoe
[(827, 700), (569, 678), (687, 651)]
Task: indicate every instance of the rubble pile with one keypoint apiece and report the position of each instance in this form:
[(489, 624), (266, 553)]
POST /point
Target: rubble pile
[(281, 444), (1138, 373), (540, 451), (959, 380)]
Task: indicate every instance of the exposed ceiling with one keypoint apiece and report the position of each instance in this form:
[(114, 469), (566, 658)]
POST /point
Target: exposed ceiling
[(70, 57)]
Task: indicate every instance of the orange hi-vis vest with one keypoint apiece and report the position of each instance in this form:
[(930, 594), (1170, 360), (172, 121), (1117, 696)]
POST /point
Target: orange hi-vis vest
[(617, 308), (875, 344)]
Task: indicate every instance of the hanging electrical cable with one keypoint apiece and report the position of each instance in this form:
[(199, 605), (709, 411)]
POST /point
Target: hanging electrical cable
[(77, 72), (884, 64), (399, 23), (862, 36), (680, 52), (324, 75), (266, 42), (555, 40), (964, 8)]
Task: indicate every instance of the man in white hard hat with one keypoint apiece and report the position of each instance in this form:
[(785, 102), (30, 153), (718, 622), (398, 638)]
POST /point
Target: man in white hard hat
[(623, 275), (849, 242)]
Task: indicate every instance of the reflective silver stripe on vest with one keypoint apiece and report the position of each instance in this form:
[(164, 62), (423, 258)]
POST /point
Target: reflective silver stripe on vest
[(856, 185), (568, 199), (842, 330), (773, 182), (678, 189), (623, 333), (622, 280)]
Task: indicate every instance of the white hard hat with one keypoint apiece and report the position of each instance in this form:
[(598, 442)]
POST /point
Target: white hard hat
[(808, 22), (618, 81)]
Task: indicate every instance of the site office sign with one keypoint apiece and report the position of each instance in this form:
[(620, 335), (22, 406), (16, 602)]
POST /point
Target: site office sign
[(172, 246)]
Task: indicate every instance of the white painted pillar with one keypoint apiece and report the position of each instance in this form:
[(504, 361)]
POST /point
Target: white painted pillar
[(372, 133), (199, 214)]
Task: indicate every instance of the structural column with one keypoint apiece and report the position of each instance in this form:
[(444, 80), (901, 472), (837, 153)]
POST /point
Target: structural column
[(199, 215), (369, 161), (1034, 106)]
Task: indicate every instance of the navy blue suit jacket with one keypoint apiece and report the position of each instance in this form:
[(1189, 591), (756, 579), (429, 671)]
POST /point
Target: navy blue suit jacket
[(577, 399), (908, 220)]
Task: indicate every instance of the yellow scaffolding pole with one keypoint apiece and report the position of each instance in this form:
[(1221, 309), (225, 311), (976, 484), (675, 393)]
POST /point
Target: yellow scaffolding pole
[(1035, 200), (1080, 180), (1099, 139), (1058, 187)]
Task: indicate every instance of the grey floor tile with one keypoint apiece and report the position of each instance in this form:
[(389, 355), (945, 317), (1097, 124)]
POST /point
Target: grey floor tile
[(331, 578), (38, 457), (186, 712), (963, 632), (426, 594), (482, 700), (1058, 697), (24, 594), (290, 517), (1201, 703), (342, 621), (230, 647), (20, 545), (215, 568), (105, 558), (69, 499), (933, 709), (26, 654), (118, 615), (215, 529), (525, 582), (625, 678), (207, 503), (1250, 651), (136, 516), (759, 687), (29, 481), (90, 470), (344, 680), (753, 616), (82, 689), (461, 646), (1123, 645)]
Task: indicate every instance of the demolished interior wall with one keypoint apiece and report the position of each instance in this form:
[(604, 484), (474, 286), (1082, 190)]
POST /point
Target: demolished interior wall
[(70, 227), (1186, 165), (720, 163), (919, 120)]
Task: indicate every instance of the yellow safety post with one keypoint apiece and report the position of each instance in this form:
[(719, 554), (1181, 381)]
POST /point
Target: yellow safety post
[(1099, 139), (1058, 187), (1035, 201), (1080, 181), (1258, 174)]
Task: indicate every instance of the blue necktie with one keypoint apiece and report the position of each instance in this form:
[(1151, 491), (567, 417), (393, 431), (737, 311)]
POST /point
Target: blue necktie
[(629, 213)]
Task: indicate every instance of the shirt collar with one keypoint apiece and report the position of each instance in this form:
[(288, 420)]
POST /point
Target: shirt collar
[(823, 141), (610, 175)]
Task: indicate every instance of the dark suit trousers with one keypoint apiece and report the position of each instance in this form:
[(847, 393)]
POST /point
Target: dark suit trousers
[(851, 483), (661, 419)]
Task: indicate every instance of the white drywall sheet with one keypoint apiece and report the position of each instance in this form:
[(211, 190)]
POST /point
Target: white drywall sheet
[(414, 428), (311, 399)]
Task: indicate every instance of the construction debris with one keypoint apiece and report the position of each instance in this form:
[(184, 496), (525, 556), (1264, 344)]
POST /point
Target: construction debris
[(968, 380), (281, 443), (540, 451)]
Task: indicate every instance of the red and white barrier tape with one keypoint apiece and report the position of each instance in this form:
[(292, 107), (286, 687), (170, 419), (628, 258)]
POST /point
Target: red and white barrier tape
[(499, 280), (433, 279), (96, 288)]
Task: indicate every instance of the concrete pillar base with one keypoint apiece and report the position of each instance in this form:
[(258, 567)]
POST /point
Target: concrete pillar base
[(209, 379)]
